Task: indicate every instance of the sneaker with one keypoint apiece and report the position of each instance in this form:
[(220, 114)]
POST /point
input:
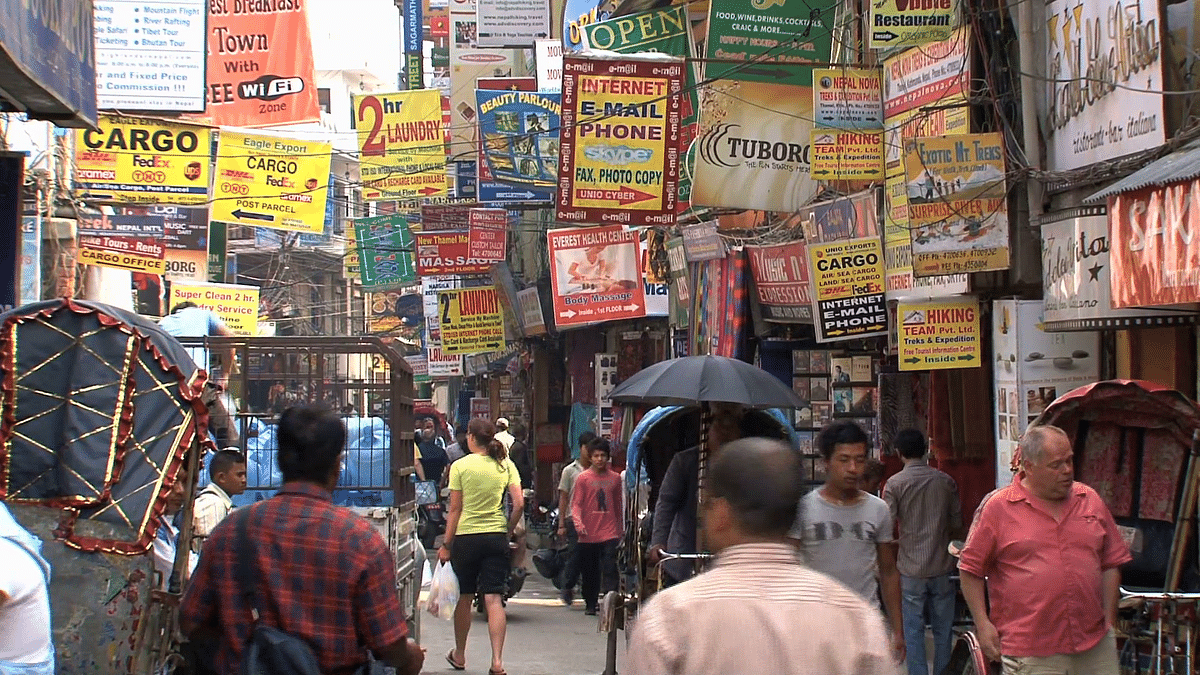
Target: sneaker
[(590, 611), (567, 596)]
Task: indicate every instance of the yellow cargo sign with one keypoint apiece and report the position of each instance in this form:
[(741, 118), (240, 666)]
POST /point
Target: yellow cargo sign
[(131, 160), (938, 335), (269, 181), (472, 320)]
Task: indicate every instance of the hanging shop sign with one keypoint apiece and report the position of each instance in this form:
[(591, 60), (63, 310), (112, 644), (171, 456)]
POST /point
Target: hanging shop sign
[(957, 204), (548, 56), (952, 120), (620, 141), (488, 234), (441, 253), (506, 289), (906, 23), (769, 41), (848, 98), (185, 234), (384, 316), (512, 23), (47, 59), (596, 274), (580, 13), (133, 160), (442, 365), (412, 28), (753, 147), (150, 55), (453, 216), (931, 73), (533, 322), (782, 281), (1076, 274), (385, 250), (420, 367), (1104, 81), (519, 136), (681, 284), (31, 260), (468, 63), (939, 334), (269, 181), (133, 243), (847, 279), (471, 320), (847, 155), (236, 305), (654, 277), (401, 144), (604, 367), (702, 242), (1154, 258), (351, 263), (852, 217), (260, 65), (430, 287)]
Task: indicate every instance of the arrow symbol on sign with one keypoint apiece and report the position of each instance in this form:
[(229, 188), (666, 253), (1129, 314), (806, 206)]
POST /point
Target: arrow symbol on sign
[(630, 195), (631, 307), (912, 360), (250, 215), (884, 36), (429, 190), (516, 195), (567, 314), (875, 327), (835, 332), (966, 357)]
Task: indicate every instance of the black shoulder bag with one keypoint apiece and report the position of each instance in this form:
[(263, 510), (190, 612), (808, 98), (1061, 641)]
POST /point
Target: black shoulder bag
[(269, 651)]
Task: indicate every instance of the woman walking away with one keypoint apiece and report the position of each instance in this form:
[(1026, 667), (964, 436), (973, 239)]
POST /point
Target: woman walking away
[(477, 535)]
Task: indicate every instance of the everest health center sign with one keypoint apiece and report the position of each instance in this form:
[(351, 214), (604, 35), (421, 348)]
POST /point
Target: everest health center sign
[(597, 276)]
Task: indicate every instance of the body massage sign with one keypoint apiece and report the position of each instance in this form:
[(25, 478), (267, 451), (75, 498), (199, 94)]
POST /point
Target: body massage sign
[(619, 147), (596, 274), (236, 305)]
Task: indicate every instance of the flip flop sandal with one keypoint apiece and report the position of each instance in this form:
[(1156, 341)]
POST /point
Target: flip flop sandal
[(496, 672), (454, 664)]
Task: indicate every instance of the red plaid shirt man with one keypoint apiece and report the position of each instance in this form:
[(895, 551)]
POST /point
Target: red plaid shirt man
[(326, 574)]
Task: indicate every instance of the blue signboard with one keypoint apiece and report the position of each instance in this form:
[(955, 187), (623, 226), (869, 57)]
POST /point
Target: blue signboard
[(48, 60), (466, 179), (489, 192), (520, 136)]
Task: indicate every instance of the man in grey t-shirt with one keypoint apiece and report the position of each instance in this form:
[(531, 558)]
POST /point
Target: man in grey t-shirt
[(847, 533), (566, 526)]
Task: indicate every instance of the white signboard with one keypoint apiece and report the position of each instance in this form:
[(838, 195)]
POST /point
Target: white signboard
[(548, 56), (922, 76), (150, 54), (429, 298), (513, 23), (443, 365), (605, 367), (1104, 78), (848, 98), (532, 319)]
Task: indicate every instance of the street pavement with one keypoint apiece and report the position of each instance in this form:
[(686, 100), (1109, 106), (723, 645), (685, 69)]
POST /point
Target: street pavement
[(544, 637)]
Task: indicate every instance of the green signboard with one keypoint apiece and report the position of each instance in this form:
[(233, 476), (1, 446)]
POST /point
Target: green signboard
[(778, 44), (385, 251)]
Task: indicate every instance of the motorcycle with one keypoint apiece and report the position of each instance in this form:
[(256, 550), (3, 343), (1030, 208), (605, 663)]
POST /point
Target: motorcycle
[(431, 513)]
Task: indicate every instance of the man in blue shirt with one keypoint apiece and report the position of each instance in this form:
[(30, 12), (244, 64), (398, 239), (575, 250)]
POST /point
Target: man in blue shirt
[(188, 320)]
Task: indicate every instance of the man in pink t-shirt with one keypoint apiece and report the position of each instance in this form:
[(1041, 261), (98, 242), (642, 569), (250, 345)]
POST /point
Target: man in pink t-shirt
[(1050, 552), (597, 512)]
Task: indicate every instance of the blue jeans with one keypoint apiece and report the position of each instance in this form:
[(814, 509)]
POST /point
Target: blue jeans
[(935, 594)]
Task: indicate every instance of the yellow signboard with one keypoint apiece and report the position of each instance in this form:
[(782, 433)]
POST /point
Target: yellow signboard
[(939, 334), (848, 289), (905, 23), (472, 320), (847, 155), (269, 181), (402, 149), (236, 305), (131, 160)]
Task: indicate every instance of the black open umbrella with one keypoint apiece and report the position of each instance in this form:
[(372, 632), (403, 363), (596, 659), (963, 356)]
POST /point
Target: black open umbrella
[(690, 380)]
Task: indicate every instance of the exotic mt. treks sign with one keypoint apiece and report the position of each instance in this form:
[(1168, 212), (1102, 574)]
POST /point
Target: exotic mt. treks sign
[(619, 147)]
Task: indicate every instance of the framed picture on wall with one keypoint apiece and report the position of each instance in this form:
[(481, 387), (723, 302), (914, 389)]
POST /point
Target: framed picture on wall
[(800, 362), (818, 362)]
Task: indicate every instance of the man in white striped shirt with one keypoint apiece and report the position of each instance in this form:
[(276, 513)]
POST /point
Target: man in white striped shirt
[(759, 609), (228, 473)]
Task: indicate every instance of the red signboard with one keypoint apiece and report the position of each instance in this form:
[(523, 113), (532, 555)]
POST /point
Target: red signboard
[(1154, 251), (488, 234), (452, 216), (597, 275), (782, 280), (442, 253)]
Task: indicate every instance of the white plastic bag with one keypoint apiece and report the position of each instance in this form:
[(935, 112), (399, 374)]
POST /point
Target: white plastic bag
[(443, 591)]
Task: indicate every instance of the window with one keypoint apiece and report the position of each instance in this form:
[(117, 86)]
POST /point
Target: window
[(323, 100)]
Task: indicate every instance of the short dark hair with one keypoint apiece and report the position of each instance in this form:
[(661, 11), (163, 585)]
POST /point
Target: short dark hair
[(586, 438), (910, 443), (183, 305), (874, 470), (224, 461), (839, 433), (761, 480), (600, 444), (311, 438)]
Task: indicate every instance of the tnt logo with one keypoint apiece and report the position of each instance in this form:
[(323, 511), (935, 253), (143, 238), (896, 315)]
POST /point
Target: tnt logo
[(153, 161), (282, 181)]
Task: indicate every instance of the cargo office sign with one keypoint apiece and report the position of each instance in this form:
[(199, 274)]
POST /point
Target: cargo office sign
[(269, 181), (133, 243), (619, 150), (442, 253), (519, 132), (471, 320), (957, 204), (782, 281), (401, 143), (848, 294), (133, 160), (938, 335)]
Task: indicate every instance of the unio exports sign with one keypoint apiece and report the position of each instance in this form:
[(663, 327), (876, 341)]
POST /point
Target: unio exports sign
[(848, 296)]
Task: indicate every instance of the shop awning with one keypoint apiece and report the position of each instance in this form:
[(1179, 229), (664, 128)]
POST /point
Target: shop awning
[(1181, 165)]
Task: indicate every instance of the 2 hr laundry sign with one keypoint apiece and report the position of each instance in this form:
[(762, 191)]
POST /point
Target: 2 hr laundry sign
[(620, 141), (596, 274), (471, 320), (848, 297)]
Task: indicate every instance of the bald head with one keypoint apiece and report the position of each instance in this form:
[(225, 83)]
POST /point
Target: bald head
[(1037, 438), (760, 478)]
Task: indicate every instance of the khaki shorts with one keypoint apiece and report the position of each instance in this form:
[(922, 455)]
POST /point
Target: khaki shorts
[(1099, 660)]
